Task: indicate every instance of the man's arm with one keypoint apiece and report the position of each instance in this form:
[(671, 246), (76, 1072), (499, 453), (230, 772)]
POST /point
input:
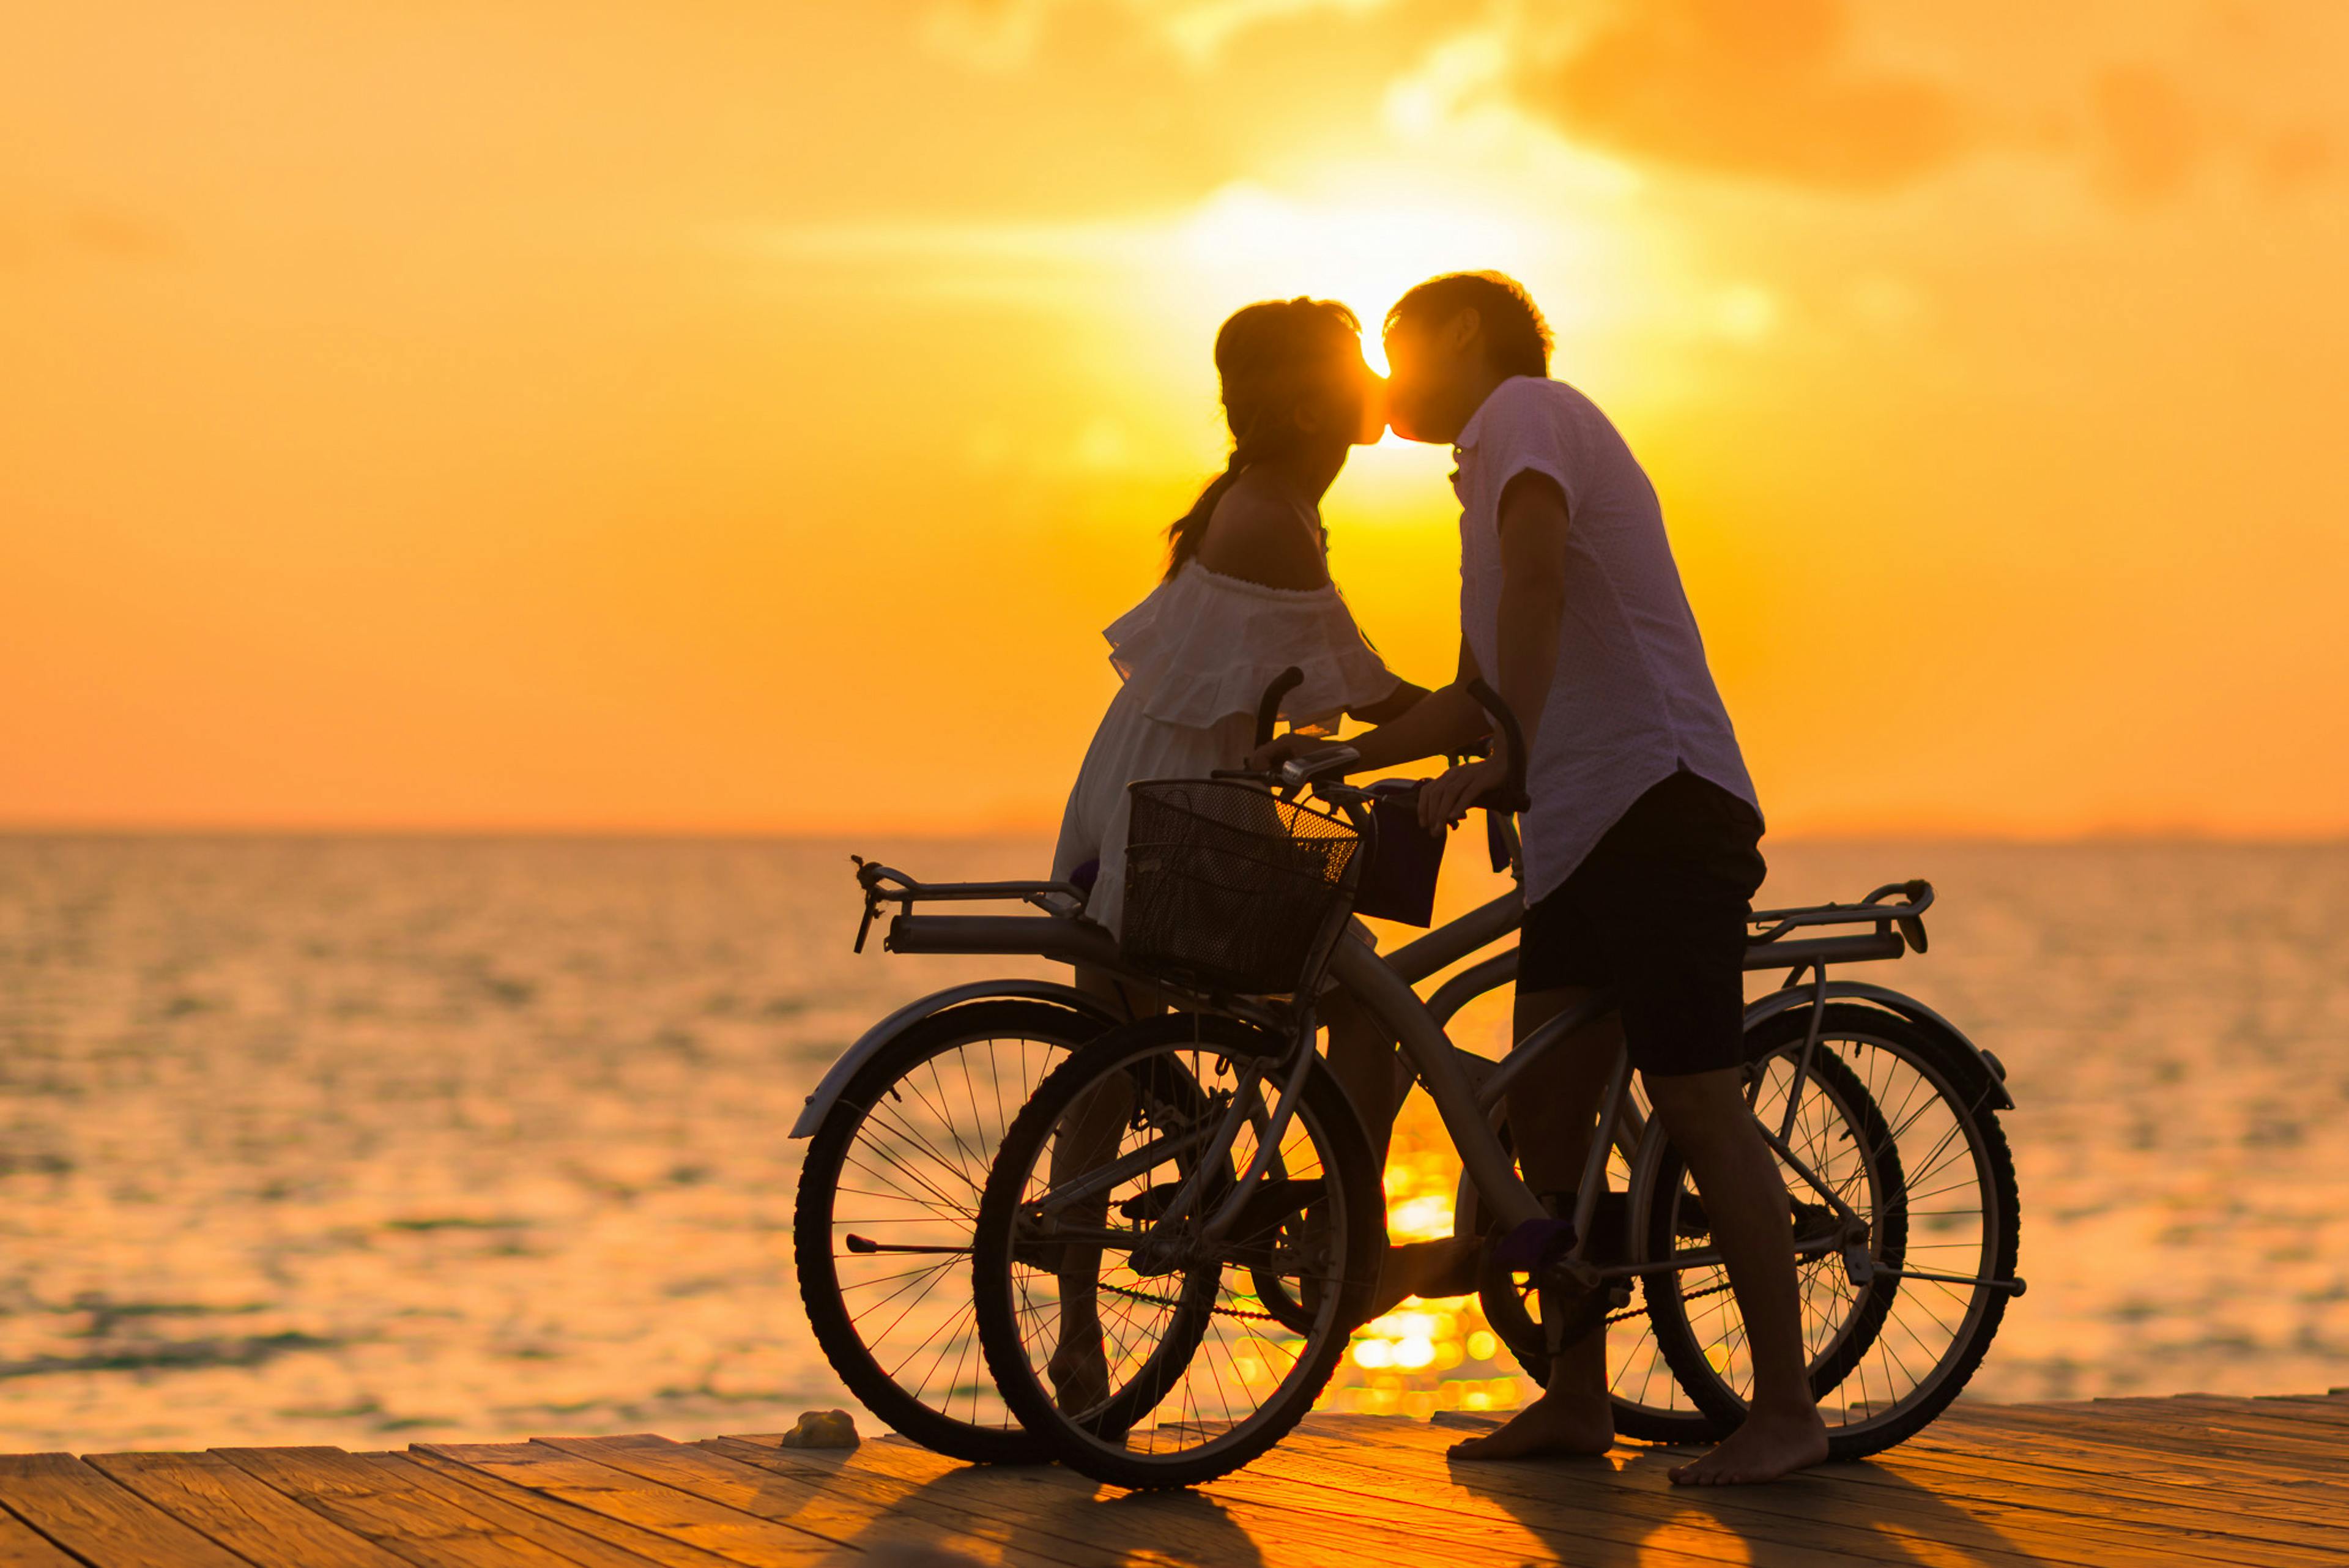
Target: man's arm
[(1391, 707), (1442, 724), (1533, 525), (1532, 595)]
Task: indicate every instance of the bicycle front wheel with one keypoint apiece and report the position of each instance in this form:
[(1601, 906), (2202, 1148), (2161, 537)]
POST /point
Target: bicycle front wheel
[(888, 1194), (1142, 1350), (1895, 1325)]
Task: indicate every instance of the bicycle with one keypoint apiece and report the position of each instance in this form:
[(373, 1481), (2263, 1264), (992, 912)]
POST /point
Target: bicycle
[(1251, 1209), (905, 1122)]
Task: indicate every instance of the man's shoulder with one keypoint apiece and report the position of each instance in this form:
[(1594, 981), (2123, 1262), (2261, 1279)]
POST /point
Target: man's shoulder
[(1525, 406)]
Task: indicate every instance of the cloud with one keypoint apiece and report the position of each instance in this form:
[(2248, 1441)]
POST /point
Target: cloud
[(124, 236), (996, 35), (2147, 141), (2290, 159), (1755, 88)]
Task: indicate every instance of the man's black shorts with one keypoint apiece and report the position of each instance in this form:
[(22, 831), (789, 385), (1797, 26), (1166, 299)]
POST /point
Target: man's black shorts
[(1657, 913)]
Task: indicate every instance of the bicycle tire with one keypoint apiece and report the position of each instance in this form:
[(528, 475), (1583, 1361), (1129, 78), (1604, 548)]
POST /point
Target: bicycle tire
[(1940, 1068), (1351, 1177), (829, 1314)]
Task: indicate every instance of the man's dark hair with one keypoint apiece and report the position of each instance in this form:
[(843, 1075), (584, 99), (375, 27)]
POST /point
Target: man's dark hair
[(1516, 339)]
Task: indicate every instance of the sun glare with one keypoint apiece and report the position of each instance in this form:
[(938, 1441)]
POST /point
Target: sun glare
[(1246, 243)]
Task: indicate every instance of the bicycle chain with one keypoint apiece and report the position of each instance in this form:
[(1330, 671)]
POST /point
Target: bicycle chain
[(1628, 1313), (1170, 1302)]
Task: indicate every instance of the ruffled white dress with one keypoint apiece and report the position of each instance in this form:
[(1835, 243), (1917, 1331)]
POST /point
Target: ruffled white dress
[(1195, 657)]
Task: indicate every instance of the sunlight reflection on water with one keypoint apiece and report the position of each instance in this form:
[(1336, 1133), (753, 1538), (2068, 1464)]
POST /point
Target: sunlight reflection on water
[(363, 1141)]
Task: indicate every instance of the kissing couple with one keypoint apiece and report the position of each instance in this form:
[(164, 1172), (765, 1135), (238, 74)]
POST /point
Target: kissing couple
[(1640, 841)]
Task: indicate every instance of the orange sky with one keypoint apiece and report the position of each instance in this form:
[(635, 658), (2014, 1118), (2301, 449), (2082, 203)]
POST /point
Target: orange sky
[(744, 416)]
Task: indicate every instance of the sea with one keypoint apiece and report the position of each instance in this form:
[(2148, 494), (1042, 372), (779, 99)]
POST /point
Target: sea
[(369, 1140)]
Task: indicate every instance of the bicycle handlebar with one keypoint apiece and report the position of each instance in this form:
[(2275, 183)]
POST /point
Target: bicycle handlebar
[(1267, 710)]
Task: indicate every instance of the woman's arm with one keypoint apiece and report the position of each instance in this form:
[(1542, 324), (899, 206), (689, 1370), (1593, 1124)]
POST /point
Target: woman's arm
[(1392, 706), (1441, 724)]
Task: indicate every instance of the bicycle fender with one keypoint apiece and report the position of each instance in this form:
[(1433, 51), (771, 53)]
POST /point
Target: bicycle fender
[(1988, 1084), (869, 1044)]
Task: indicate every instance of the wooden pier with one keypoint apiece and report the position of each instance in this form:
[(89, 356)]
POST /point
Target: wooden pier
[(2178, 1481)]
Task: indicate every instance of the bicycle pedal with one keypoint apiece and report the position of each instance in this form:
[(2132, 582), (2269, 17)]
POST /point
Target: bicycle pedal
[(1530, 1247), (1611, 1223)]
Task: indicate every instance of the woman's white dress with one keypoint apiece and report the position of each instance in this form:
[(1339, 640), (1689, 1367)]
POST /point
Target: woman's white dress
[(1195, 657)]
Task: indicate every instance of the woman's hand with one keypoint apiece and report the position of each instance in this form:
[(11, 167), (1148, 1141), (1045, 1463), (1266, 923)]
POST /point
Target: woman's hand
[(1266, 758), (1444, 802)]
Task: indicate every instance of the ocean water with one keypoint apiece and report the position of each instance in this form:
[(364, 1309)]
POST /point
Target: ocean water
[(365, 1141)]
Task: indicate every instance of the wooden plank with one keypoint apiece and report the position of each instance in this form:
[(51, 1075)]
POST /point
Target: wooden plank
[(2126, 1469), (2187, 1435), (2335, 1412), (1039, 1510), (1043, 1515), (1567, 1499), (2147, 1424), (1049, 1501), (1821, 1509), (22, 1546), (81, 1510), (385, 1499), (2196, 1416), (248, 1517), (2235, 1422), (2325, 1421), (1863, 1499), (2210, 1499), (587, 1483), (542, 1517), (2206, 1524)]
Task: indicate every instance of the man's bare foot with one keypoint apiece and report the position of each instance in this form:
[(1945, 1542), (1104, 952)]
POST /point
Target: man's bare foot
[(1445, 1267), (1079, 1371), (1552, 1425), (1764, 1449)]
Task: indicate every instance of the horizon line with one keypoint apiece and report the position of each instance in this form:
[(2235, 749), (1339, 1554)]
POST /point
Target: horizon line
[(2179, 835)]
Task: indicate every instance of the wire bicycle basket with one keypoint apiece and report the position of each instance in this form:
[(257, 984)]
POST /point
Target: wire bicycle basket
[(1230, 889)]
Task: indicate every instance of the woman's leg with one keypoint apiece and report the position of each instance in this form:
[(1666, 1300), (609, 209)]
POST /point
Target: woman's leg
[(1365, 1061), (1088, 1136)]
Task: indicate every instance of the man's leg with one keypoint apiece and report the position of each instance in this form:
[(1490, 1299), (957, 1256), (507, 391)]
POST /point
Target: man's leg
[(1553, 1111), (1745, 1201)]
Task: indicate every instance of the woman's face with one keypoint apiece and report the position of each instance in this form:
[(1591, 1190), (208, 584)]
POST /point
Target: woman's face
[(1370, 426)]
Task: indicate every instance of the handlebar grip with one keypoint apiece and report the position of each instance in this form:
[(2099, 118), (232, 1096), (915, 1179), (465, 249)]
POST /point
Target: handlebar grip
[(1515, 739), (1268, 710)]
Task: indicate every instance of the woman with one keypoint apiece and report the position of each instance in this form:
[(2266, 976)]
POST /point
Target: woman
[(1247, 595), (1247, 592)]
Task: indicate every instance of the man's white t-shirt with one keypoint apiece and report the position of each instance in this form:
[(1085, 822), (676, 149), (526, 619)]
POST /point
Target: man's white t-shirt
[(1631, 702)]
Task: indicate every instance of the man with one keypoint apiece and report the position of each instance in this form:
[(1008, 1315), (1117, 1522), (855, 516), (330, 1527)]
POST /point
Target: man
[(1640, 855)]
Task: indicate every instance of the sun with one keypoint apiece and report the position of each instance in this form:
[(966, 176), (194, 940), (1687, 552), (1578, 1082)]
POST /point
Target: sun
[(1246, 243)]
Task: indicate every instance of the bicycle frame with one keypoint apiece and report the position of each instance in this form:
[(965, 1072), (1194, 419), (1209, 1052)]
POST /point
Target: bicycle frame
[(1464, 1097), (1057, 938)]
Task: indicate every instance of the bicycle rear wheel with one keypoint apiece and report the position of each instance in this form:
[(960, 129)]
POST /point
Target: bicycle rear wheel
[(888, 1194), (1216, 1347), (1886, 1127)]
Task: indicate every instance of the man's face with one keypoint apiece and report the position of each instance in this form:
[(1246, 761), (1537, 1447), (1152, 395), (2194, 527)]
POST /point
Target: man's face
[(1423, 372)]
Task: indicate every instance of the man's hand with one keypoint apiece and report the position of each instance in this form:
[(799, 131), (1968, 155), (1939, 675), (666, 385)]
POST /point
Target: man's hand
[(1444, 802), (1269, 757)]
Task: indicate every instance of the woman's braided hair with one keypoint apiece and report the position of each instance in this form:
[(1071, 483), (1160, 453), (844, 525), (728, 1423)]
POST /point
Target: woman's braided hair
[(1274, 359)]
